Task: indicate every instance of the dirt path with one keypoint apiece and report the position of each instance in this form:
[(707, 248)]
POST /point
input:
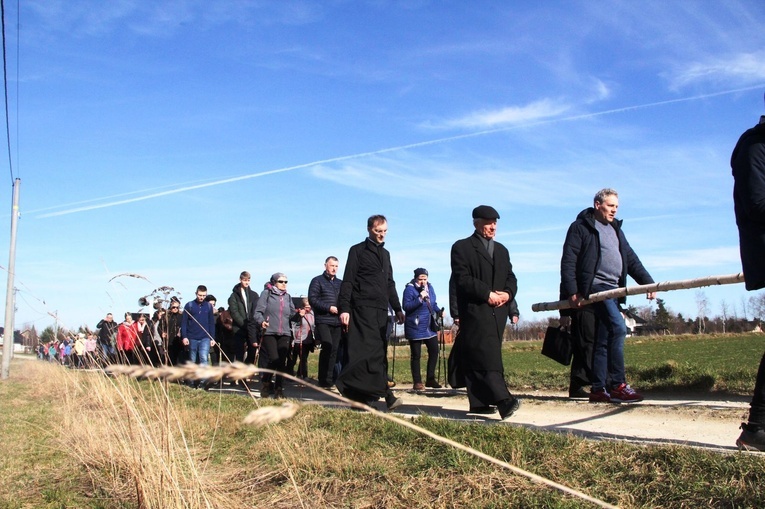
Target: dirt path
[(660, 419)]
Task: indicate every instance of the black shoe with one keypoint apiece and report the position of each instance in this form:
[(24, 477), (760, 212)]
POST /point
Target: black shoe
[(432, 383), (393, 402), (575, 392), (752, 438), (278, 393), (508, 407), (487, 410)]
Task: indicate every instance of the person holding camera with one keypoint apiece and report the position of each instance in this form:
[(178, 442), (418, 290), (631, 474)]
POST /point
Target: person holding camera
[(421, 327)]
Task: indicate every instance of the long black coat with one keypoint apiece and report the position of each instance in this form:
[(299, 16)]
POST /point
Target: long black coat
[(748, 165), (475, 275)]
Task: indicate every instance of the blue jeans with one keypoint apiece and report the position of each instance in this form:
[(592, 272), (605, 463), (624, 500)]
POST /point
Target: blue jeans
[(608, 354), (199, 351)]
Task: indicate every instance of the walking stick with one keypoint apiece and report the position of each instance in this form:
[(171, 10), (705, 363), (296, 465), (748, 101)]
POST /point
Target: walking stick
[(393, 369), (441, 349)]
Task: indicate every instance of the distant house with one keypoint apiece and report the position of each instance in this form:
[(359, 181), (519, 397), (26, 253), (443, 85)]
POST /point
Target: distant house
[(638, 326)]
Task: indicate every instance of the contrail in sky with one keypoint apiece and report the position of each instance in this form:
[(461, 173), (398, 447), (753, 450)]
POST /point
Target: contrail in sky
[(187, 187)]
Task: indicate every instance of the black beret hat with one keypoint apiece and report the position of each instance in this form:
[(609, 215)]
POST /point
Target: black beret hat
[(485, 212)]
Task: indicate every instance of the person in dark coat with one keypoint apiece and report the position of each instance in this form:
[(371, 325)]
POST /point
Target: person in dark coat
[(484, 285), (597, 257), (748, 165), (170, 332), (107, 338), (240, 304), (367, 290), (583, 326), (323, 293)]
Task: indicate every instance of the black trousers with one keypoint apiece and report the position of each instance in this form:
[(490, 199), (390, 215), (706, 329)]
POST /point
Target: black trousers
[(584, 329), (757, 411), (278, 350), (329, 337), (415, 347)]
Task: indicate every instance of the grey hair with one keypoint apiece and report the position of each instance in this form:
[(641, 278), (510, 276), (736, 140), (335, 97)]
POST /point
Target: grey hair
[(601, 195)]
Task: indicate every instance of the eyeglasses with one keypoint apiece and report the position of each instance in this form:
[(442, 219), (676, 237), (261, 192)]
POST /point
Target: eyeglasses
[(175, 307), (283, 281)]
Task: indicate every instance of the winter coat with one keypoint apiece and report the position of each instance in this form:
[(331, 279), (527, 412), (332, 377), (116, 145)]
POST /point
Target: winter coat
[(303, 330), (475, 275), (107, 332), (323, 293), (126, 337), (581, 256), (240, 311), (277, 308), (748, 166), (368, 279), (420, 314)]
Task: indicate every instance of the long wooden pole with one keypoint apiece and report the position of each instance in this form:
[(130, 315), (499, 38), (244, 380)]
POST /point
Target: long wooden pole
[(635, 290)]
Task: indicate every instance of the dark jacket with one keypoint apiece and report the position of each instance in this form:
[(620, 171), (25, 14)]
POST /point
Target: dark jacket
[(323, 293), (748, 165), (198, 321), (368, 279), (107, 332), (420, 314), (240, 312), (170, 327), (581, 256), (475, 275)]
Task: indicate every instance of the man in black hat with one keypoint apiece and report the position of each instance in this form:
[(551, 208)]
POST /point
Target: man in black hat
[(484, 285)]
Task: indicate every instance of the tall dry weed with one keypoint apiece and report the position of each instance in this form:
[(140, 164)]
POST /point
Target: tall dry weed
[(140, 443)]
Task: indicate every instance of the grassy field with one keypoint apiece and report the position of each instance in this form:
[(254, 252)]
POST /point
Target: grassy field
[(75, 439), (708, 363)]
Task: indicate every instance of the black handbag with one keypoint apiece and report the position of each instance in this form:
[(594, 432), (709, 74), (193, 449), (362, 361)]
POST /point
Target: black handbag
[(557, 345)]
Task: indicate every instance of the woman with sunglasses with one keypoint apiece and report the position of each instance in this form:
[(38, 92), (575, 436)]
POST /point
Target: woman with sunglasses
[(274, 313)]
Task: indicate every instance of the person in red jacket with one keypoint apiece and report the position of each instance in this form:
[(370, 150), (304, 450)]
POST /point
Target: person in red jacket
[(126, 340)]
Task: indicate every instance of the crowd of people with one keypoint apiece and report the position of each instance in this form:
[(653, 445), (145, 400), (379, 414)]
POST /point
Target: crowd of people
[(349, 319)]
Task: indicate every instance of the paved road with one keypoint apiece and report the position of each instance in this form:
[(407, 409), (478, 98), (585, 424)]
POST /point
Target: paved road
[(703, 422)]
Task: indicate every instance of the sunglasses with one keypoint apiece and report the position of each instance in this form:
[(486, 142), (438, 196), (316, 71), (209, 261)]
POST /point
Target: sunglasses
[(282, 281), (175, 307)]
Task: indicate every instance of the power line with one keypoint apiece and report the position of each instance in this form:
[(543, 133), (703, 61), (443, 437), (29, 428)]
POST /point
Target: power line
[(5, 89)]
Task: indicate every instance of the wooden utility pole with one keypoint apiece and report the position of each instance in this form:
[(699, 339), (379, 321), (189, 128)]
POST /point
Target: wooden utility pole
[(9, 300)]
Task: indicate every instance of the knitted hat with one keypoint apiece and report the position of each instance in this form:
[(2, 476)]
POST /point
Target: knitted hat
[(419, 272)]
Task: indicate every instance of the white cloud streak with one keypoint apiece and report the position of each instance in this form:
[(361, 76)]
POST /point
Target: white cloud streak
[(742, 68), (543, 109), (185, 187)]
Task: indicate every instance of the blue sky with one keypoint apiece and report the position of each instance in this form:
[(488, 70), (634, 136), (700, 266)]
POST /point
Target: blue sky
[(187, 141)]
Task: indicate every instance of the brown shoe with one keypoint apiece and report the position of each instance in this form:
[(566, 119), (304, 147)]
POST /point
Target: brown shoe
[(419, 386)]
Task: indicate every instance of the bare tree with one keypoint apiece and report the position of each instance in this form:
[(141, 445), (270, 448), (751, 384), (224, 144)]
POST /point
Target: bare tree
[(743, 308), (702, 306), (724, 313), (757, 306)]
